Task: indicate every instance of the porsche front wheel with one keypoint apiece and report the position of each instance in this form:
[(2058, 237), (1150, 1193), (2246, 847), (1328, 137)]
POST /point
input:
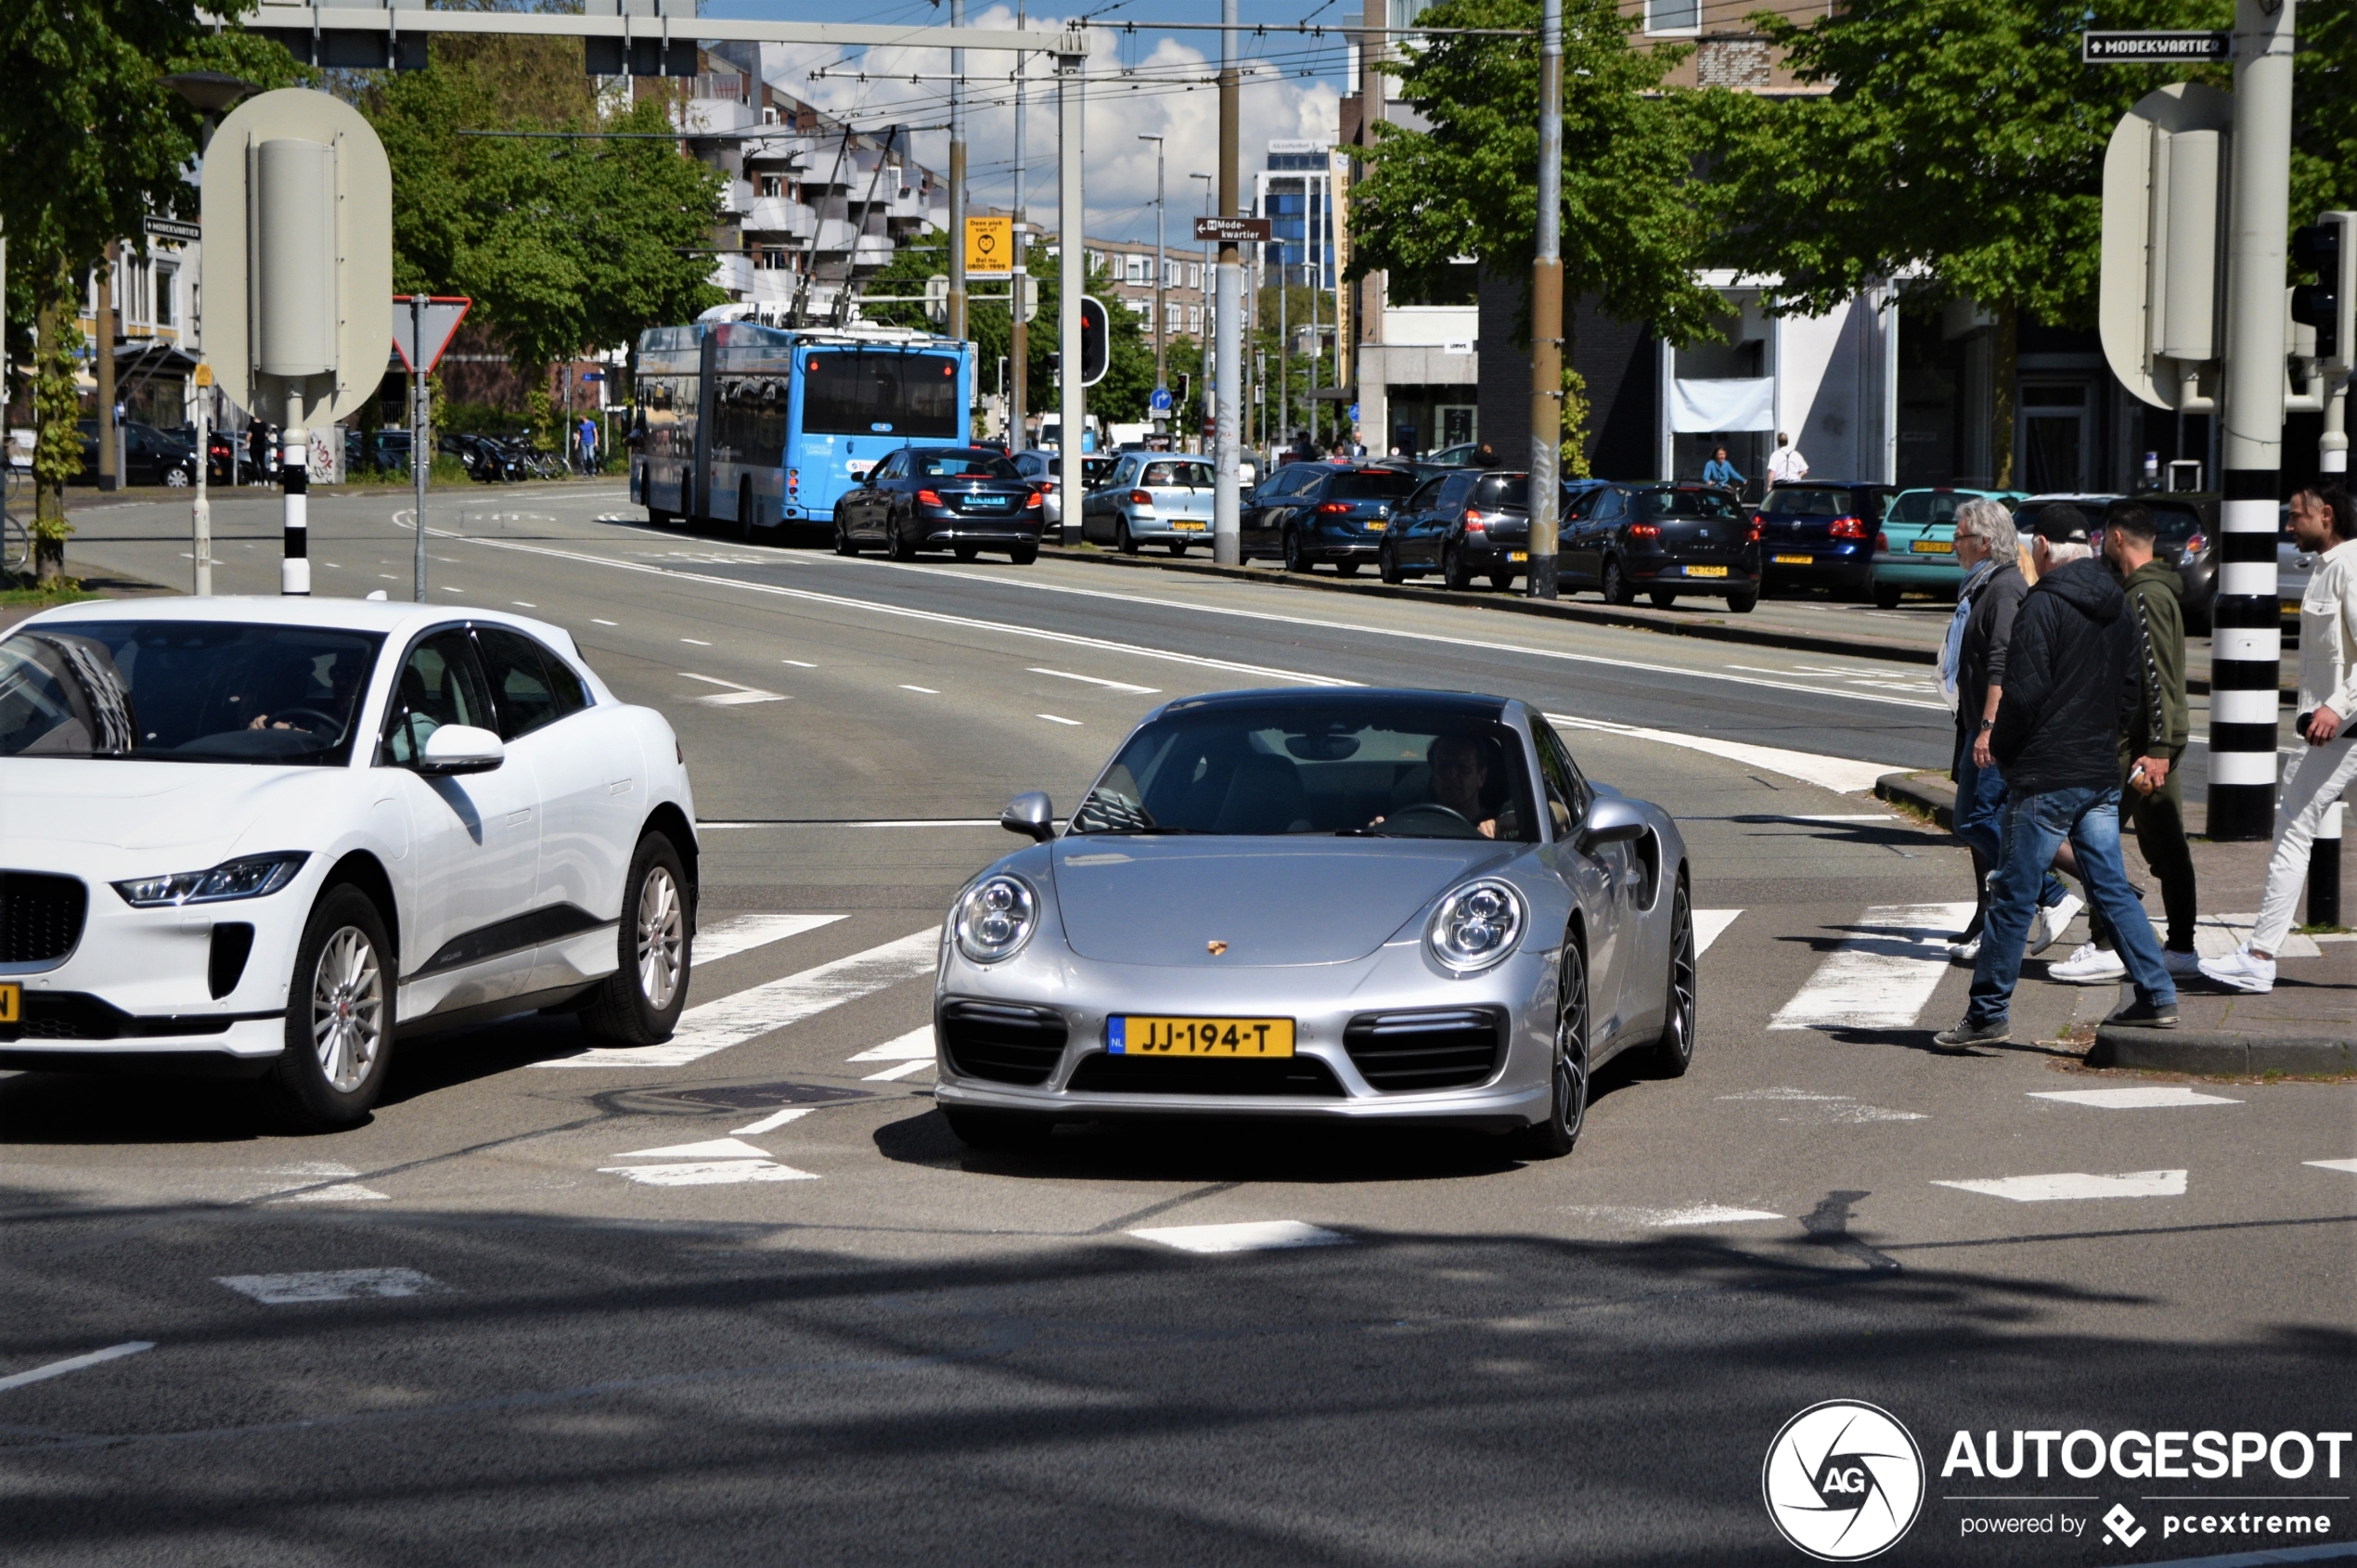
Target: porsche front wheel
[(1567, 1077)]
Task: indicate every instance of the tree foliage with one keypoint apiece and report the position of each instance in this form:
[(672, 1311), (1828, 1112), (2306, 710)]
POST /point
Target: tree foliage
[(2323, 107)]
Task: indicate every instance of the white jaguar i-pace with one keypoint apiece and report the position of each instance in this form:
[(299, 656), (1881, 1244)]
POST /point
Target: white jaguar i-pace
[(270, 835)]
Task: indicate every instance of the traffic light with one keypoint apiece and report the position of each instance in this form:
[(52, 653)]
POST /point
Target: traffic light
[(1096, 343), (2327, 248), (1055, 364)]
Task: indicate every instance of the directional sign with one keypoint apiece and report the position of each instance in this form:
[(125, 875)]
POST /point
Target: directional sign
[(1160, 402), (420, 333), (174, 229), (1231, 231), (2155, 48), (991, 247)]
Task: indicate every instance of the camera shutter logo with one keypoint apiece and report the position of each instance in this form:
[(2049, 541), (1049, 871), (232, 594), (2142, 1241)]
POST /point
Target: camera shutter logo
[(1843, 1481)]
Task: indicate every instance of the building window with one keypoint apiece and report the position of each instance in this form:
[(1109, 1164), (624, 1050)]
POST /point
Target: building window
[(1141, 269), (1405, 12), (773, 259), (1194, 320), (167, 287), (1673, 15), (1194, 275), (1174, 321), (773, 185)]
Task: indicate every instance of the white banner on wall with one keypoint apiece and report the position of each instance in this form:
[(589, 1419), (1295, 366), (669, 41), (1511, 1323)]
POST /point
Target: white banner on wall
[(1708, 406)]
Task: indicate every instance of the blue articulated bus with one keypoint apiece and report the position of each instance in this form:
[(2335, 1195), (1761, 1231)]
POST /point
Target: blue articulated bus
[(743, 427)]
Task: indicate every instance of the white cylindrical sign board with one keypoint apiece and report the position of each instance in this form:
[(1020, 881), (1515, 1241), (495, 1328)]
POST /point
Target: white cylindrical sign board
[(294, 230)]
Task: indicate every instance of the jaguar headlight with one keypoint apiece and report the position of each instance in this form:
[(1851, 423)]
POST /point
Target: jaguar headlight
[(995, 918), (1475, 927), (251, 876)]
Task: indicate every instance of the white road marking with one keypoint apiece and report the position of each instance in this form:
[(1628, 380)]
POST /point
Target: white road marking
[(339, 1284), (1252, 1236), (1671, 1219), (523, 604), (446, 587), (799, 664), (1840, 775), (2068, 1185), (720, 1172), (906, 1070), (731, 1021), (698, 641), (1709, 925), (1882, 978), (2146, 1098), (75, 1363), (743, 933), (1825, 1110), (595, 620), (915, 1046), (2348, 1165), (1098, 680), (342, 1192), (386, 575), (1054, 719), (929, 691), (775, 1119), (711, 1149), (736, 695)]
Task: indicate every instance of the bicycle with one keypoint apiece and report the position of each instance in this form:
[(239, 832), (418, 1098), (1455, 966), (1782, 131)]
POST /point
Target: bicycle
[(16, 535)]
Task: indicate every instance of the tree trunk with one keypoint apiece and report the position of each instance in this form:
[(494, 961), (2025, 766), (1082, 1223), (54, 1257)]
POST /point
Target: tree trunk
[(49, 485), (2004, 354), (48, 560)]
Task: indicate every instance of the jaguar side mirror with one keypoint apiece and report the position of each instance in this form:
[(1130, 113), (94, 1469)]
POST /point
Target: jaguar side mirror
[(1032, 814), (1611, 820), (461, 748)]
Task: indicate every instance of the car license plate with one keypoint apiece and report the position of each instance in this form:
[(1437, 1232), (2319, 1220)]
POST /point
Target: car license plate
[(1130, 1035), (1184, 526), (1376, 527), (1705, 571), (1796, 561), (1517, 556), (12, 1003), (1933, 547)]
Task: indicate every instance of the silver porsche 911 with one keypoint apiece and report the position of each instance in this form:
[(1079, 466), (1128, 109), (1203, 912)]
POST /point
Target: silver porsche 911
[(1357, 903)]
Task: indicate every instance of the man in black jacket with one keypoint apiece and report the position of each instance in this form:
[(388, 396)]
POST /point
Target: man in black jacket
[(2071, 682)]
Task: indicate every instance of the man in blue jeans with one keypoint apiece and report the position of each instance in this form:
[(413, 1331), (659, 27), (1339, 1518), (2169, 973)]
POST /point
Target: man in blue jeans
[(2070, 684)]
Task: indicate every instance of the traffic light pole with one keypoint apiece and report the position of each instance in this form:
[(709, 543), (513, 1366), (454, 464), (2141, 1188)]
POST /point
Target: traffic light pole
[(1227, 517), (1547, 310), (1073, 275), (957, 185), (1019, 335), (2247, 646)]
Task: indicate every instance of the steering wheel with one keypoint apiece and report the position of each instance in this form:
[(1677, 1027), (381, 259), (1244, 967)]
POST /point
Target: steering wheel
[(1439, 815), (328, 723)]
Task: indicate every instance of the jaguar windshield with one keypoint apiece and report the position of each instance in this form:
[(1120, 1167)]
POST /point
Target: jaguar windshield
[(183, 692), (1307, 767)]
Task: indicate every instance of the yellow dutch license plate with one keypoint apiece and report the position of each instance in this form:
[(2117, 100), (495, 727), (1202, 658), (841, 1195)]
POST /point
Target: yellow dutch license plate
[(1377, 527), (1185, 527), (1796, 561), (1132, 1035), (1933, 547), (11, 1004), (1517, 556), (1705, 571)]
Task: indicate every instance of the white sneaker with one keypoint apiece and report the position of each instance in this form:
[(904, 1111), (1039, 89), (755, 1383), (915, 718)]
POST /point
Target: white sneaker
[(2181, 963), (2243, 971), (2090, 965), (2048, 928), (1966, 953)]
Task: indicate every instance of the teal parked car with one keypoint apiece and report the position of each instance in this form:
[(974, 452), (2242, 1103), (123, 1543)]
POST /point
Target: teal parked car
[(1916, 552)]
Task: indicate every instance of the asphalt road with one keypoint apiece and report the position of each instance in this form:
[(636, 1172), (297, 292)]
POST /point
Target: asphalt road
[(522, 1328)]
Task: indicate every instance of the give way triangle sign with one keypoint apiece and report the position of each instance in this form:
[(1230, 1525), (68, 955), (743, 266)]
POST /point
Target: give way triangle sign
[(423, 326)]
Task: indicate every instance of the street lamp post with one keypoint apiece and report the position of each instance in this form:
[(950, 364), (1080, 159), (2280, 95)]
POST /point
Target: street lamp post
[(1203, 292), (1162, 264)]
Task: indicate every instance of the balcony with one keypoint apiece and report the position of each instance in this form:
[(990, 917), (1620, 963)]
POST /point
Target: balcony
[(776, 217), (733, 273)]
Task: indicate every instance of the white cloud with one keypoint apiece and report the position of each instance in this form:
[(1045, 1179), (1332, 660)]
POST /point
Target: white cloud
[(1146, 85)]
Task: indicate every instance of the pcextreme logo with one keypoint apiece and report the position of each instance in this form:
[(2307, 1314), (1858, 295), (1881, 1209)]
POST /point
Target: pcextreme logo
[(1843, 1481)]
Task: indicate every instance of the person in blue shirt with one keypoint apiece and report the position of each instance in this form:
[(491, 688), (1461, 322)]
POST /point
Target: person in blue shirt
[(1720, 471)]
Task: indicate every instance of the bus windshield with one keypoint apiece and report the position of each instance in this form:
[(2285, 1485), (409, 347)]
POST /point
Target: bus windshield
[(879, 392)]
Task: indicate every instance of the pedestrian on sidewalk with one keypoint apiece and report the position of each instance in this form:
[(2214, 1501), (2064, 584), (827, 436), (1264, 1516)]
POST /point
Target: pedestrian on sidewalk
[(1785, 465), (1720, 471), (2070, 691), (1972, 662), (2152, 794), (2323, 521)]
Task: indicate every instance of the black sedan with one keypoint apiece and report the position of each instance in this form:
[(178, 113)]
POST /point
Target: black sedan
[(149, 456), (1665, 539), (966, 499), (1467, 524), (1821, 534), (1312, 513)]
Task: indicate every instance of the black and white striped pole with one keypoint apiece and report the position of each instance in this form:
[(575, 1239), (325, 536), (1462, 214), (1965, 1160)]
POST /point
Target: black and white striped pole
[(2247, 644)]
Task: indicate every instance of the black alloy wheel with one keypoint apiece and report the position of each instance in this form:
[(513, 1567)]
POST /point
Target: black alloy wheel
[(1122, 538), (1743, 601), (1295, 561), (1387, 565), (1567, 1104), (903, 536), (1674, 1052), (1618, 589), (1454, 572), (1024, 555)]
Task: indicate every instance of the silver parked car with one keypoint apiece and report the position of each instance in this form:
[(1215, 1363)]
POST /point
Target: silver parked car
[(1151, 498), (1368, 905)]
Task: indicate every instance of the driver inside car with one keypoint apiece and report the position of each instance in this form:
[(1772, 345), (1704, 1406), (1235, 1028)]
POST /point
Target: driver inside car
[(1459, 769)]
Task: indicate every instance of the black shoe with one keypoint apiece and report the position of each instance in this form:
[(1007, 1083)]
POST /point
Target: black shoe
[(2142, 1014), (1996, 1031)]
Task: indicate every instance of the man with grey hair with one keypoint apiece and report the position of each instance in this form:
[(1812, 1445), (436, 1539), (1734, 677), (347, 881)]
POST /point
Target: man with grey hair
[(2071, 685), (1972, 664)]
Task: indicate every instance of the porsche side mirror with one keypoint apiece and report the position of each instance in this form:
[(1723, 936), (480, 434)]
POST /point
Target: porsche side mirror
[(1611, 820), (1032, 814), (461, 748)]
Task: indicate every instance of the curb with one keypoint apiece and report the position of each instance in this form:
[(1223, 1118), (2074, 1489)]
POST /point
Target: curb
[(2173, 1050), (1924, 792)]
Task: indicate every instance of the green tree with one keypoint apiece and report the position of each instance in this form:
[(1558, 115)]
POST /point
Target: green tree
[(2323, 107), (1633, 231), (1958, 148)]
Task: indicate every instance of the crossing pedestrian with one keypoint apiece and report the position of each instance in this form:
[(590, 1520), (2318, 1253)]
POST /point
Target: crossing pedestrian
[(1785, 465), (1973, 665), (2067, 694), (2152, 793), (1720, 471), (2323, 521)]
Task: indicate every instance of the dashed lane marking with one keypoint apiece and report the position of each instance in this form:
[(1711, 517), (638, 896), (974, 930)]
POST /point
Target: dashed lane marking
[(596, 622), (710, 1172), (1709, 926), (1672, 1218), (927, 691), (74, 1364), (1882, 977), (339, 1284), (711, 1149), (1251, 1235), (731, 1021), (906, 1070), (736, 696), (799, 664), (698, 641), (1809, 1108), (915, 1046), (1052, 718), (1098, 680), (2150, 1096), (743, 933), (775, 1119), (2067, 1186)]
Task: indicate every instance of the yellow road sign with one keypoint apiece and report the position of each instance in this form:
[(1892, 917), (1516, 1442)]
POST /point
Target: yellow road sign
[(990, 245), (204, 374)]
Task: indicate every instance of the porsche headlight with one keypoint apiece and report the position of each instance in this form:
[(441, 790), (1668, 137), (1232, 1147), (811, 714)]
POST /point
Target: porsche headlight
[(995, 918), (1475, 927), (249, 877)]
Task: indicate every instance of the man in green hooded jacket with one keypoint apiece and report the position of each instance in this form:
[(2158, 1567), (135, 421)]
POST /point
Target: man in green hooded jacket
[(2154, 743)]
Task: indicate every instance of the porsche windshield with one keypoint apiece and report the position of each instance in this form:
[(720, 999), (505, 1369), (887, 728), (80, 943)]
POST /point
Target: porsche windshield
[(1307, 767), (183, 692)]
